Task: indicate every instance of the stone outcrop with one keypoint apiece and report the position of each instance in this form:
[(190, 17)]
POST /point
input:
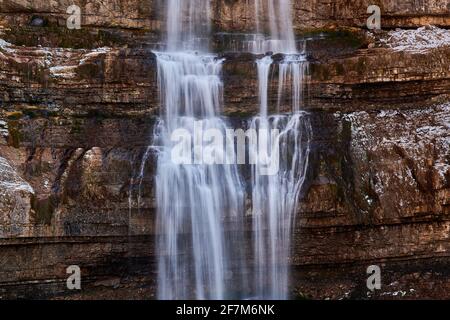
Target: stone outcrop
[(77, 113), (343, 74), (346, 81)]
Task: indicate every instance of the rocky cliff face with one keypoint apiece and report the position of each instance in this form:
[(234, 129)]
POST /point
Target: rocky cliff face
[(234, 15), (77, 110)]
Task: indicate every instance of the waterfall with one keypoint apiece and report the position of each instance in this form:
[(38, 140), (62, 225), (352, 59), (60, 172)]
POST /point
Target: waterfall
[(263, 68), (202, 242), (279, 16), (193, 199), (275, 197), (274, 200), (188, 24), (291, 73)]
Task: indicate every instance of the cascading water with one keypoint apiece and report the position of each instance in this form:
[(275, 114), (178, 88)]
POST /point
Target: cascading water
[(197, 255), (188, 25), (274, 198), (192, 198), (279, 16), (291, 73)]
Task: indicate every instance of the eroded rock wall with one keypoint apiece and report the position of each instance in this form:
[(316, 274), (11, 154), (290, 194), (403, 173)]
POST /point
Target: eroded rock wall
[(238, 15), (235, 15)]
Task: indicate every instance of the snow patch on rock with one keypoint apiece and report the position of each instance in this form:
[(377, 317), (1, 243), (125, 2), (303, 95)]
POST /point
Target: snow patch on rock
[(417, 40), (399, 136), (10, 181), (3, 129), (65, 72), (6, 46), (94, 53), (69, 71)]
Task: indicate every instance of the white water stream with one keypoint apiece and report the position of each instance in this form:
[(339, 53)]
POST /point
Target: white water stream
[(198, 204)]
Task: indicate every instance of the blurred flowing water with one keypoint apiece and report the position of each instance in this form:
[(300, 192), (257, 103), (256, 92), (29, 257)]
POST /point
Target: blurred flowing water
[(198, 204), (275, 197), (192, 199)]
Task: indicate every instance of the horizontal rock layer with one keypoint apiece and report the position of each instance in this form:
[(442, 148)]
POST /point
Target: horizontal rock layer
[(124, 83), (227, 16)]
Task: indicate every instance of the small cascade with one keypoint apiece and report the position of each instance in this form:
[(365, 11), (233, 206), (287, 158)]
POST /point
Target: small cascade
[(279, 17), (202, 240), (194, 198), (188, 25), (263, 68), (275, 197), (291, 78)]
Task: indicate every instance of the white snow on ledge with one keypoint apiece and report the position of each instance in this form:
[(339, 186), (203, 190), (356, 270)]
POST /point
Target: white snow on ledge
[(94, 53), (417, 40), (69, 71), (6, 46), (10, 180), (66, 72)]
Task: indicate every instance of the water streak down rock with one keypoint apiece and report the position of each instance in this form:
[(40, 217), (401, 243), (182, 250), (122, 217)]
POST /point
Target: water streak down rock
[(192, 200)]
